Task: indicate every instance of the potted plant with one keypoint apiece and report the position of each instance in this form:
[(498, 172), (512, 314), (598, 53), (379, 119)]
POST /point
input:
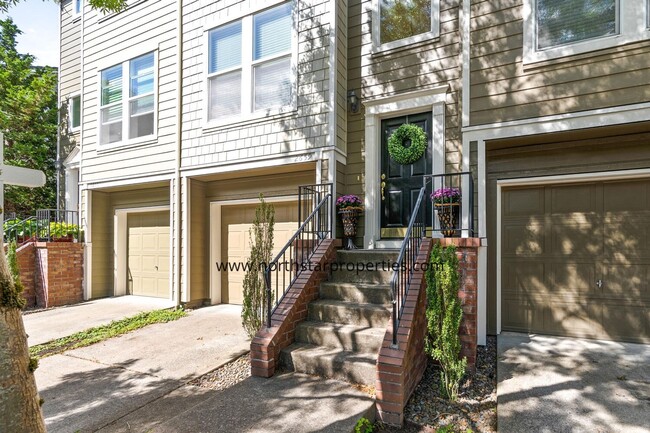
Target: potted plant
[(349, 207), (447, 204), (63, 232)]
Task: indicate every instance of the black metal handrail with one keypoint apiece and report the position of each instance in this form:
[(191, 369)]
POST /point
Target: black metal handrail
[(406, 260), (285, 268), (48, 225)]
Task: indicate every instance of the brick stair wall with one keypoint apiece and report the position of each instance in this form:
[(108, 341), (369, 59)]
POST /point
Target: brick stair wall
[(400, 369), (269, 342), (52, 273)]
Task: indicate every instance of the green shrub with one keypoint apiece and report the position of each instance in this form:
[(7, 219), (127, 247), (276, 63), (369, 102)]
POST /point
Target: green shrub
[(364, 426), (261, 238), (444, 314)]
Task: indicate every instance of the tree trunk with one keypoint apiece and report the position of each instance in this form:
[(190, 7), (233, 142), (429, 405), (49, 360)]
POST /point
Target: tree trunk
[(20, 410)]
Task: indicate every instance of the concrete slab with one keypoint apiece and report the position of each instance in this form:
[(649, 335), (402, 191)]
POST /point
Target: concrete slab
[(47, 325), (556, 384), (284, 403), (82, 396), (181, 350)]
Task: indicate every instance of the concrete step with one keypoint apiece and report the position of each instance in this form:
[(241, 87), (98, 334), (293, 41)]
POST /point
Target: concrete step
[(364, 266), (354, 367), (349, 313), (346, 337), (362, 293)]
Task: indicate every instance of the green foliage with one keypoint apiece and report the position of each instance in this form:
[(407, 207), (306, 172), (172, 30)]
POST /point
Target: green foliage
[(396, 144), (444, 314), (104, 332), (364, 426), (10, 295), (61, 230), (33, 364), (400, 19), (28, 118), (12, 263), (102, 5), (261, 238)]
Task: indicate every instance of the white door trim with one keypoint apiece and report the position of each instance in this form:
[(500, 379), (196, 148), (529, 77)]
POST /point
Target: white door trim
[(552, 180), (120, 246), (215, 236), (394, 106)]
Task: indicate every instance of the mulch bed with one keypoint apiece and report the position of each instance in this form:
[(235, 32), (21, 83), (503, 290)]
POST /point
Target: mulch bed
[(476, 408)]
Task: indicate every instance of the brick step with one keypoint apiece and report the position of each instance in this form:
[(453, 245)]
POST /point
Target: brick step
[(354, 367), (349, 313), (362, 293), (346, 337)]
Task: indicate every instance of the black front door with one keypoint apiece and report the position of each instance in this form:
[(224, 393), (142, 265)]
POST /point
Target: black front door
[(402, 182)]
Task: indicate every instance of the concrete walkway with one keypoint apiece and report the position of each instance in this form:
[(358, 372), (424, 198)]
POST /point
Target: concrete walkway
[(48, 325), (554, 384), (138, 383)]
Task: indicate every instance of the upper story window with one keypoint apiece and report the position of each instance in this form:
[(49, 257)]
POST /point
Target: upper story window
[(558, 28), (76, 7), (402, 22), (128, 100), (74, 112), (250, 64)]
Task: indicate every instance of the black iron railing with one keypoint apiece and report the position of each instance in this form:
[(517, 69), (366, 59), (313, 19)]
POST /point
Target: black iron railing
[(283, 270), (406, 260), (451, 211), (48, 225)]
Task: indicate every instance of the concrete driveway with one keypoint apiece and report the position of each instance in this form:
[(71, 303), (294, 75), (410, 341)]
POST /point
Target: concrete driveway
[(555, 384)]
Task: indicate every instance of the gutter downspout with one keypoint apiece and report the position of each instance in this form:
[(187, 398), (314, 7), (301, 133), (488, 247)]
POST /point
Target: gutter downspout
[(179, 132)]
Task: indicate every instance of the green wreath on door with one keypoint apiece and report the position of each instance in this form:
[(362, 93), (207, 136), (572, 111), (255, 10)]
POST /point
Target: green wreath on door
[(407, 155)]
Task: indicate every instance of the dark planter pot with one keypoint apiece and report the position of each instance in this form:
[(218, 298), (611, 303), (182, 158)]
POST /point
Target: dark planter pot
[(448, 215), (350, 218)]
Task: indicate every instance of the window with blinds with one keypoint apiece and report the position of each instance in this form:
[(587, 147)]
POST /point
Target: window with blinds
[(562, 22), (249, 64), (128, 100)]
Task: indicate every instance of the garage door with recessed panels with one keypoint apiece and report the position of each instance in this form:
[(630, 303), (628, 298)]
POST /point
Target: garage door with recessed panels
[(236, 222), (148, 254), (575, 260)]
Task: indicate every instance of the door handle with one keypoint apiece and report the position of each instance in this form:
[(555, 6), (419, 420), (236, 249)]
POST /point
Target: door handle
[(383, 185), (599, 283)]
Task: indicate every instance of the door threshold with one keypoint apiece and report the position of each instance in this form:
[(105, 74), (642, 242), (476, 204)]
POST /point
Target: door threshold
[(389, 244)]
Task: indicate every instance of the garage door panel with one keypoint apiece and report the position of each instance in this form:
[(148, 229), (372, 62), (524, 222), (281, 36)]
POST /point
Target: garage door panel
[(573, 319), (525, 202), (523, 239), (627, 281), (625, 321), (627, 196), (627, 238), (524, 278), (521, 315), (573, 279), (571, 239), (574, 199), (148, 254)]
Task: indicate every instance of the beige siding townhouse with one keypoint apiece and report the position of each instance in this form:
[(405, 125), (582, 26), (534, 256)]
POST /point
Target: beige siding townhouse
[(182, 113), (558, 112)]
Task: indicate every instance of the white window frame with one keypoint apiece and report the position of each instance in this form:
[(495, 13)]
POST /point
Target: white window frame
[(126, 99), (71, 97), (247, 65), (632, 20), (422, 37)]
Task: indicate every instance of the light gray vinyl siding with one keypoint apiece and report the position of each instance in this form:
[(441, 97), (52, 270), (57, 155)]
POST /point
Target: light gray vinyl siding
[(109, 40), (69, 68), (297, 131), (504, 89)]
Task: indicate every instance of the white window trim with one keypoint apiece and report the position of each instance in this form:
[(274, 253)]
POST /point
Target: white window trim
[(376, 28), (246, 67), (128, 142), (71, 96), (632, 27)]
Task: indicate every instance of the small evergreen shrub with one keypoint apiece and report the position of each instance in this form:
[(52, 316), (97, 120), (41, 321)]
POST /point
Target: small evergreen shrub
[(444, 314), (261, 238)]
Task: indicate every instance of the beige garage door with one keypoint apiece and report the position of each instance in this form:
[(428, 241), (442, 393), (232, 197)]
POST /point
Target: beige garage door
[(576, 260), (235, 245), (148, 254)]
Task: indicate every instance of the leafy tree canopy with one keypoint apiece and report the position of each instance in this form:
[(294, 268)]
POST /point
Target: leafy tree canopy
[(102, 5), (28, 119)]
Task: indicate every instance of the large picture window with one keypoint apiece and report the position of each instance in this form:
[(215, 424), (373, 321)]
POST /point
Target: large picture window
[(128, 100), (250, 64), (561, 22), (401, 22), (560, 28)]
